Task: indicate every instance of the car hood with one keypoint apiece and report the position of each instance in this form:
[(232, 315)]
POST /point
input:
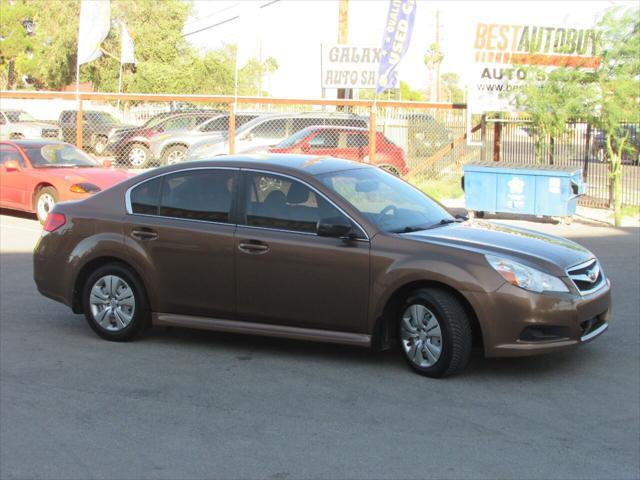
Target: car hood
[(37, 125), (499, 239), (101, 177)]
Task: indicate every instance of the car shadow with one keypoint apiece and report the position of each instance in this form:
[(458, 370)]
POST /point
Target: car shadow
[(18, 214), (250, 347)]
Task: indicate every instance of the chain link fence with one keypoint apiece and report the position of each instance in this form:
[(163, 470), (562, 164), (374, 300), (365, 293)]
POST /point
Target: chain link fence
[(147, 131)]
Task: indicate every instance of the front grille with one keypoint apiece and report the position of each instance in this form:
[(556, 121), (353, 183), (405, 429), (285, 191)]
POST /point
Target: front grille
[(587, 277), (49, 133)]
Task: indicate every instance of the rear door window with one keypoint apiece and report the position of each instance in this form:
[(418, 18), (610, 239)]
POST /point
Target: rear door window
[(215, 125), (198, 195), (357, 140)]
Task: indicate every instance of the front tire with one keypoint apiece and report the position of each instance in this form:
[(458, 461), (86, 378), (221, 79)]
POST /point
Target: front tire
[(174, 154), (45, 200), (434, 333), (114, 303), (138, 156)]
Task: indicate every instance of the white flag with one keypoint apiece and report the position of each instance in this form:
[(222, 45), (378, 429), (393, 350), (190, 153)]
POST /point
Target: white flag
[(95, 22), (126, 46)]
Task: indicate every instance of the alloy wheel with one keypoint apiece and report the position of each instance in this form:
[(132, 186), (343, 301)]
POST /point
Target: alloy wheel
[(112, 303), (174, 157), (137, 156), (45, 204), (421, 335)]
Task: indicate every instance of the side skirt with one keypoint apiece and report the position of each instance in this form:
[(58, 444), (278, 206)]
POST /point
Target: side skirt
[(262, 329)]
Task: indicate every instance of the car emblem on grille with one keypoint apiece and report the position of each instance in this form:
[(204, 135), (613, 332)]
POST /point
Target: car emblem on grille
[(593, 274)]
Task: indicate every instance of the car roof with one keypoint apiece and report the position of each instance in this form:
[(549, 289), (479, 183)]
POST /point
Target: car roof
[(337, 127), (299, 165), (34, 143)]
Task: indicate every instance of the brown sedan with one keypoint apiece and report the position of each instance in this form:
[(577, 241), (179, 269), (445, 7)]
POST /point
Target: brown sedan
[(318, 249)]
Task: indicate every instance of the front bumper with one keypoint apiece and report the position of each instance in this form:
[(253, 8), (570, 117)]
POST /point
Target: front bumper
[(516, 322)]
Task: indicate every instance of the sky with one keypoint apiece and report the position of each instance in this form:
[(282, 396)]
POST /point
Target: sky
[(292, 32)]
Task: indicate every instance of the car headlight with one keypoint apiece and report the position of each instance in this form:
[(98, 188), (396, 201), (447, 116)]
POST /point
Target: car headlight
[(84, 188), (526, 277)]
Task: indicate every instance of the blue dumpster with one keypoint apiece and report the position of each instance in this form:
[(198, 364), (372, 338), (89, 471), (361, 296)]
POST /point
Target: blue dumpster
[(541, 190)]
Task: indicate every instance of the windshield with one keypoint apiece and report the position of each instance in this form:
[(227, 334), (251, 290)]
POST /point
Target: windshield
[(295, 138), (59, 155), (385, 200), (100, 117), (19, 116)]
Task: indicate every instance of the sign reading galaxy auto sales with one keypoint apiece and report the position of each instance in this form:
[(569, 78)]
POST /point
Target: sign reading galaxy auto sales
[(349, 66), (502, 51)]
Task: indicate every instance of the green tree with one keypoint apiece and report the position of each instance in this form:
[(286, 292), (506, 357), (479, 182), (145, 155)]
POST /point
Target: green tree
[(451, 85), (166, 61), (404, 93), (618, 90), (17, 42), (551, 100)]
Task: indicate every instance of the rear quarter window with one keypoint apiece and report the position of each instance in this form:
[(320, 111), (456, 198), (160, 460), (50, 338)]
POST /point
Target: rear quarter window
[(146, 197)]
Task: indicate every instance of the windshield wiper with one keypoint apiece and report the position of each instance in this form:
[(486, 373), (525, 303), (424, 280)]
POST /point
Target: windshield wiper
[(417, 228)]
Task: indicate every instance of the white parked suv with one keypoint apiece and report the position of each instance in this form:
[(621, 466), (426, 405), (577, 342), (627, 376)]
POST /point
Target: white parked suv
[(266, 131), (171, 147), (18, 125)]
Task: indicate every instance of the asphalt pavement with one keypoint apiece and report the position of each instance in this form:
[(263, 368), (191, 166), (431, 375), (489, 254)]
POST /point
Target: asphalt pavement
[(189, 404)]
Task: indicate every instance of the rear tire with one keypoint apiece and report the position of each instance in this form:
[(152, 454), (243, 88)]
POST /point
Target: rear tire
[(115, 303), (100, 145), (434, 333), (44, 201)]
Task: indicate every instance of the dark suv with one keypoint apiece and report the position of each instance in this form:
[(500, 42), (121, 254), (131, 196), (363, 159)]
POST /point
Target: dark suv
[(97, 127)]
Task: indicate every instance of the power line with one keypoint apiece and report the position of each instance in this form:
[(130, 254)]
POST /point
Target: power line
[(227, 20), (196, 20), (212, 26)]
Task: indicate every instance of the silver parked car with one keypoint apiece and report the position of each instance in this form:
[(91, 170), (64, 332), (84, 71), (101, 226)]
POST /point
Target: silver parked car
[(265, 131), (171, 147), (18, 125)]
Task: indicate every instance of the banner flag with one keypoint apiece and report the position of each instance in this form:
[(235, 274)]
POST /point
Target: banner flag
[(395, 42), (95, 22), (127, 54)]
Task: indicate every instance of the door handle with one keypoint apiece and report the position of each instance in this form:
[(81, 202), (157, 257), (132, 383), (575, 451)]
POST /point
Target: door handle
[(253, 247), (144, 234)]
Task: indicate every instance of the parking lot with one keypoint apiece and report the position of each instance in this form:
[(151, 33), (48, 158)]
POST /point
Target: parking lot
[(187, 404)]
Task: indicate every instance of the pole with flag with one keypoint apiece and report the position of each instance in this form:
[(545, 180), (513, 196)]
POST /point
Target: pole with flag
[(95, 23), (94, 26), (127, 55), (395, 42)]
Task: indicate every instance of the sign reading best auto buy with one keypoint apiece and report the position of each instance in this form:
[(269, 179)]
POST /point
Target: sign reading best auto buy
[(501, 53), (349, 66)]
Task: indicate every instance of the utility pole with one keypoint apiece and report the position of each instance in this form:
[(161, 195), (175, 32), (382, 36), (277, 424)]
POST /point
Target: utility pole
[(343, 37), (438, 49)]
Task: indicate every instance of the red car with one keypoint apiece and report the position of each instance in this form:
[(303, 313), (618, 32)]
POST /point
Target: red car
[(35, 174), (350, 143)]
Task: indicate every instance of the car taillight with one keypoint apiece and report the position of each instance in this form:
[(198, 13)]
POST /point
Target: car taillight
[(54, 221)]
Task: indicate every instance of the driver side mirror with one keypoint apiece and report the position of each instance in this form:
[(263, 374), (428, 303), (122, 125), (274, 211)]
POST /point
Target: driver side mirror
[(12, 166), (337, 227)]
